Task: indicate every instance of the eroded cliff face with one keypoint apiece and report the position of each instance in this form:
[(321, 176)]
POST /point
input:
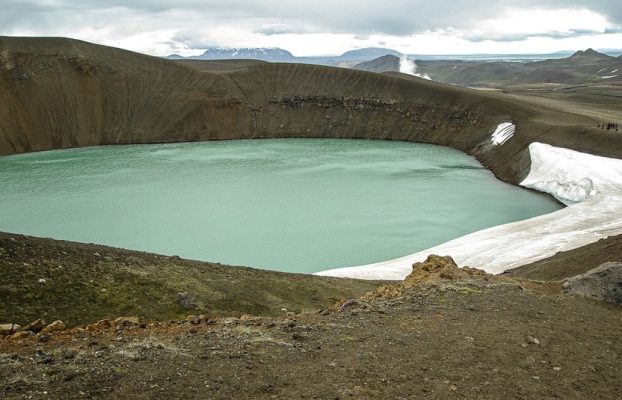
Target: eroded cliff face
[(58, 93)]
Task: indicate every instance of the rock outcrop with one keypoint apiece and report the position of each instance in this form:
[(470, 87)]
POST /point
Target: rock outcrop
[(602, 283), (436, 269)]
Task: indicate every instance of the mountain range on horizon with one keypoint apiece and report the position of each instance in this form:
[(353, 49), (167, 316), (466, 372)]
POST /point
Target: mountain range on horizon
[(277, 54), (584, 66)]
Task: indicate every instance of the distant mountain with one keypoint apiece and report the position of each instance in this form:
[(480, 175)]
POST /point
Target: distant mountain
[(387, 63), (583, 67), (367, 54), (273, 54), (589, 54)]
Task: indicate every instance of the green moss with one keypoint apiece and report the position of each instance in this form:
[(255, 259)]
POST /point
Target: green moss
[(81, 287)]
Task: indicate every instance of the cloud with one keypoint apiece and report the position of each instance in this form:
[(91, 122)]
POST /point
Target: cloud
[(193, 24), (279, 29)]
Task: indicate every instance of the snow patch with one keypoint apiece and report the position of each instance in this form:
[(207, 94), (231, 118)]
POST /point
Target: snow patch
[(608, 76), (408, 66), (567, 192), (503, 133), (591, 185), (614, 71)]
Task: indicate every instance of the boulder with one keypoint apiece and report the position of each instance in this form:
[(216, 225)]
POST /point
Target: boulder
[(9, 329), (603, 283), (35, 326)]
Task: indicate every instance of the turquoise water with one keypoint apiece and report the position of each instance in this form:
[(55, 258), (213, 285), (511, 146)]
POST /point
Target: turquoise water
[(300, 205)]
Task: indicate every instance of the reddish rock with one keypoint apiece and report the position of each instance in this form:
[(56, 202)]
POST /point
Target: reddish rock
[(21, 335), (55, 326)]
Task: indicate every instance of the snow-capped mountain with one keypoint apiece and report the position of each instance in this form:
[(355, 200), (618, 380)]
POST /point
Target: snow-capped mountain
[(255, 53)]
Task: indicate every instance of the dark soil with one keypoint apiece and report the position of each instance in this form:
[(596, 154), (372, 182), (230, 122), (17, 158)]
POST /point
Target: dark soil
[(442, 333), (480, 340)]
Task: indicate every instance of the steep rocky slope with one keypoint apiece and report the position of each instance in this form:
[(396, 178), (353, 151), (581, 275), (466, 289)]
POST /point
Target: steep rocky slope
[(64, 93)]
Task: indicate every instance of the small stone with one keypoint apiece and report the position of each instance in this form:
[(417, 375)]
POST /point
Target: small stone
[(43, 338), (69, 354), (533, 340), (557, 369), (127, 321), (42, 280), (43, 358), (55, 326), (193, 319)]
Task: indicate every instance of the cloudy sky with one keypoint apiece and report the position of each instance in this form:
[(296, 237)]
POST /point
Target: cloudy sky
[(324, 27)]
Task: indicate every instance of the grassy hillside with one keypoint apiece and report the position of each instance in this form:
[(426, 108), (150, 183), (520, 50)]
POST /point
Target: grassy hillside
[(82, 283)]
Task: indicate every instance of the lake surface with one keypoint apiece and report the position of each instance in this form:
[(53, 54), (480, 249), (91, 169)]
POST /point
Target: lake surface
[(299, 205)]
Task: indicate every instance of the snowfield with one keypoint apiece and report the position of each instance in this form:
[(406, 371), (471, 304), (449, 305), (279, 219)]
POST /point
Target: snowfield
[(503, 133), (590, 185)]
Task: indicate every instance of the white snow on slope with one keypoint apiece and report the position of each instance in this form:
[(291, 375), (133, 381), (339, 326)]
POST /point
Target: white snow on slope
[(503, 133), (608, 77), (508, 246)]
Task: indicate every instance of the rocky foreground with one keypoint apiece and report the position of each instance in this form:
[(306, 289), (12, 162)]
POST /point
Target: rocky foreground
[(442, 333)]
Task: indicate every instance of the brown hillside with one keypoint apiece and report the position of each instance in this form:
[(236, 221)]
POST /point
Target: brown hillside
[(65, 93)]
